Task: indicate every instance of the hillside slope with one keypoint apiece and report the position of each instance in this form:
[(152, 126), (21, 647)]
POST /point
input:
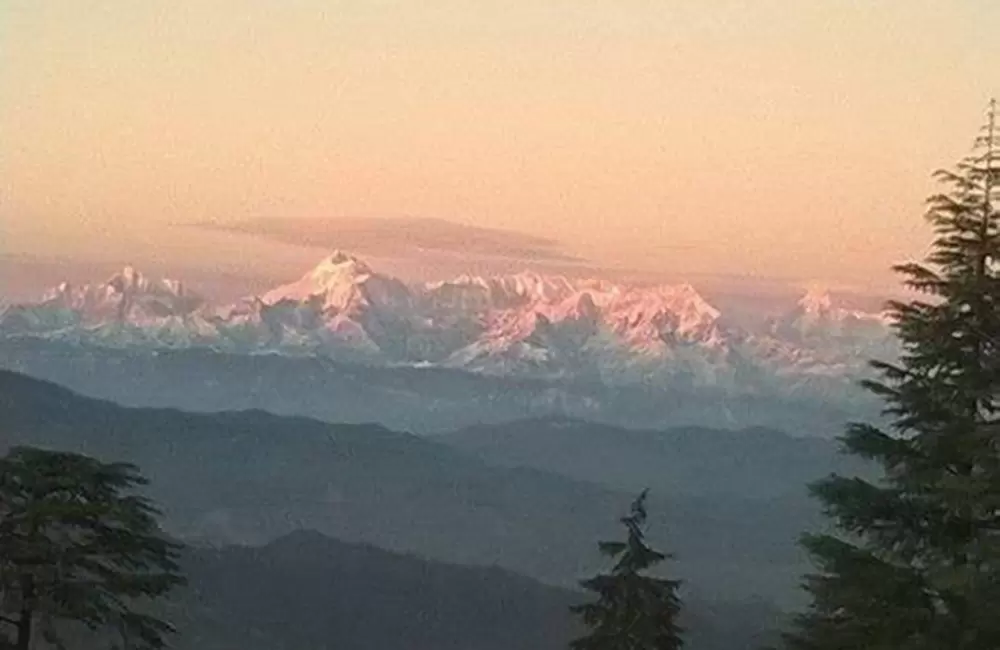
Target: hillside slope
[(306, 591), (250, 477), (753, 463)]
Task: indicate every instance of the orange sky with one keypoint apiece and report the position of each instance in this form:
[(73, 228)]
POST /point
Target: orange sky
[(789, 138)]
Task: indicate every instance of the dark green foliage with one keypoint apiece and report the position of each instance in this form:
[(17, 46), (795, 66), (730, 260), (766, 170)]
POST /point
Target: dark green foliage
[(633, 611), (79, 547), (917, 564)]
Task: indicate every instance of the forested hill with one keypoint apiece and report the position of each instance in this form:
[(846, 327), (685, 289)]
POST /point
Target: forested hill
[(306, 591), (756, 463), (250, 477)]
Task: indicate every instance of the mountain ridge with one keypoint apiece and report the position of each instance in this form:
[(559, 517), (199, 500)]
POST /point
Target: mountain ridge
[(250, 476), (703, 461), (524, 325)]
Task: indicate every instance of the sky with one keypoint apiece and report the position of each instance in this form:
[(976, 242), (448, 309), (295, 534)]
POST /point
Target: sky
[(790, 140)]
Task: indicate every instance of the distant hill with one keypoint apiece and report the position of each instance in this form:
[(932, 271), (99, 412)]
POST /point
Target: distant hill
[(753, 463), (250, 477), (306, 591)]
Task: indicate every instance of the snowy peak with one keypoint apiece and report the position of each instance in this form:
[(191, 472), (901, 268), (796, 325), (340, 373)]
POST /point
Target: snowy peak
[(127, 284), (816, 301), (340, 281), (339, 264), (524, 324), (341, 305), (655, 318), (819, 320), (506, 291), (533, 287), (332, 272), (127, 297), (818, 304), (128, 279), (131, 282)]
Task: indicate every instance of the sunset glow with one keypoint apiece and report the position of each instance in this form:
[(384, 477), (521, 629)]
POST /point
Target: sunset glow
[(781, 139)]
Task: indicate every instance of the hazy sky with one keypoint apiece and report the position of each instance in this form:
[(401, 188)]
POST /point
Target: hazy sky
[(789, 138)]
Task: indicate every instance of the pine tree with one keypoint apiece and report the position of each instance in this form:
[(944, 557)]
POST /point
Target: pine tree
[(633, 611), (78, 546), (916, 563)]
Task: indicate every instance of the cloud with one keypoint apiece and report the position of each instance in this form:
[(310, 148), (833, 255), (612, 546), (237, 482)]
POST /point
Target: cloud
[(399, 237)]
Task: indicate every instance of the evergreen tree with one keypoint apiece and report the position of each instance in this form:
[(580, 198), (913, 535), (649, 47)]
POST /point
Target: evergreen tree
[(633, 611), (79, 547), (916, 563)]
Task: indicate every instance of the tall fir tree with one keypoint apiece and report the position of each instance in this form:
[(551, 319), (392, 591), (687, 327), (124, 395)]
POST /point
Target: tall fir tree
[(78, 546), (633, 611), (916, 562)]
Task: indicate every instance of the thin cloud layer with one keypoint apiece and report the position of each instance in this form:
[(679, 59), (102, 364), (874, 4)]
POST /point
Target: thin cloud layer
[(399, 237)]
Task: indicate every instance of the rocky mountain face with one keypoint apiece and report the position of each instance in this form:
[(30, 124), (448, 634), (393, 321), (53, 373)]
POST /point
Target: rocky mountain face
[(522, 325)]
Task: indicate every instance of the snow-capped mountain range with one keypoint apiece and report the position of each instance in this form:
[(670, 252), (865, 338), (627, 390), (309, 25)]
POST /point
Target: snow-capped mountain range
[(524, 324)]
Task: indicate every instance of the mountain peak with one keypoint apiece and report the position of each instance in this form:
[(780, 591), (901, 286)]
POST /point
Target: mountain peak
[(334, 270), (816, 300), (523, 322), (339, 263), (128, 277), (336, 278), (132, 281), (338, 258)]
